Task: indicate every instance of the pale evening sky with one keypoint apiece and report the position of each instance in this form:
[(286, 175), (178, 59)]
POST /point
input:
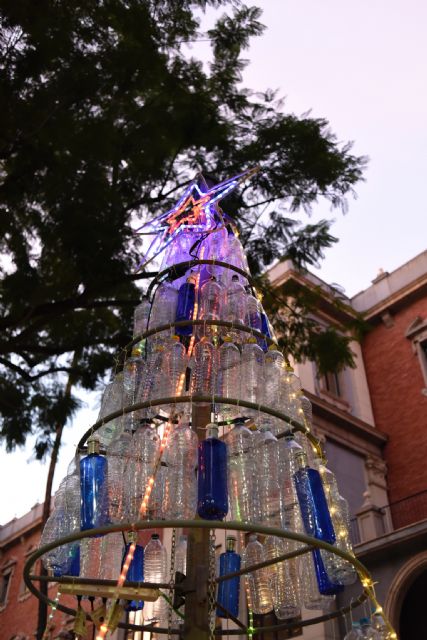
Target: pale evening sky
[(361, 65)]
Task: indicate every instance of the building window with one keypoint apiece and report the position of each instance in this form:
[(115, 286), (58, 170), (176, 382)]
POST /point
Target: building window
[(5, 579), (417, 333), (332, 384)]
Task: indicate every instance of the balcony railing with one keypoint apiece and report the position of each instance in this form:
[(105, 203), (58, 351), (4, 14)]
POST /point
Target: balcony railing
[(396, 515)]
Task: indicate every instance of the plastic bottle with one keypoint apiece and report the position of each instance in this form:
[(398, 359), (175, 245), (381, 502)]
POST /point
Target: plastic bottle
[(151, 386), (252, 374), (290, 393), (174, 363), (316, 518), (141, 317), (94, 488), (235, 254), (273, 368), (180, 490), (367, 631), (135, 572), (155, 570), (111, 556), (132, 374), (240, 466), (203, 379), (212, 493), (339, 569), (163, 311), (210, 302), (267, 474), (235, 307), (354, 633), (53, 530), (141, 457), (180, 568), (216, 249), (229, 590), (228, 377), (112, 400), (117, 456), (284, 580), (185, 306), (257, 582), (377, 622), (253, 311)]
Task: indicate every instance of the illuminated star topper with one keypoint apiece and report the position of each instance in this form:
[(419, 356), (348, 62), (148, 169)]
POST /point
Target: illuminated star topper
[(196, 211)]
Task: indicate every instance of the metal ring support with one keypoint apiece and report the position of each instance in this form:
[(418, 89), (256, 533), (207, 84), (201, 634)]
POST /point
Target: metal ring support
[(186, 323), (187, 264), (296, 426), (309, 541)]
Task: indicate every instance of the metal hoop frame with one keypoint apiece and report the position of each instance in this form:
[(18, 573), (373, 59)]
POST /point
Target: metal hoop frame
[(309, 542)]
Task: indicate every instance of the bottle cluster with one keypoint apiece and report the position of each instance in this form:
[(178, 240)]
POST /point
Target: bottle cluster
[(250, 467)]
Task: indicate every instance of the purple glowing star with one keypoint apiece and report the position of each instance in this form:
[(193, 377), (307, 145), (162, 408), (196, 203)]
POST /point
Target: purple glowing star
[(196, 210)]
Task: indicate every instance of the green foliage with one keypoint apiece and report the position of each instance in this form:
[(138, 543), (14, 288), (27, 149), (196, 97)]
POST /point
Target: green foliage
[(106, 116)]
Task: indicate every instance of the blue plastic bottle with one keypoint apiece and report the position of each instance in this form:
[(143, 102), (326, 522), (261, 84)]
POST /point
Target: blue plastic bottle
[(316, 518), (228, 590), (136, 570), (212, 494), (185, 306), (93, 488)]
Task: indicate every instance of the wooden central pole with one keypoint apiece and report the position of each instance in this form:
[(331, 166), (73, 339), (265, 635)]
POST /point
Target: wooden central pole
[(196, 623)]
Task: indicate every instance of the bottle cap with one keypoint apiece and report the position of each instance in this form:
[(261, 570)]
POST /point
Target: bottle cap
[(273, 347), (251, 340), (132, 536), (211, 430), (136, 351), (183, 538), (234, 277), (253, 537), (93, 446), (227, 339), (231, 543), (155, 536), (175, 338), (191, 279), (301, 458)]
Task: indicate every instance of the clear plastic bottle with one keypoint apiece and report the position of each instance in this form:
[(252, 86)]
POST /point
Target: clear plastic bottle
[(117, 456), (257, 582), (173, 369), (339, 569), (111, 556), (112, 400), (141, 457), (240, 473), (377, 622), (367, 631), (266, 460), (210, 304), (216, 249), (132, 375), (54, 529), (180, 489), (163, 311), (155, 570), (228, 377), (235, 308), (290, 393), (235, 254), (253, 311), (284, 580), (355, 632), (273, 367), (203, 379), (141, 316), (151, 386), (252, 375)]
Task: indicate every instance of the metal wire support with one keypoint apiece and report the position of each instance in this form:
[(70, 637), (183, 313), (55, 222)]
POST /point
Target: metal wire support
[(212, 583), (172, 581)]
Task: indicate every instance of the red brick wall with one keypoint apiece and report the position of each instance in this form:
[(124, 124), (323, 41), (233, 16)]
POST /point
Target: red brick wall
[(395, 382)]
